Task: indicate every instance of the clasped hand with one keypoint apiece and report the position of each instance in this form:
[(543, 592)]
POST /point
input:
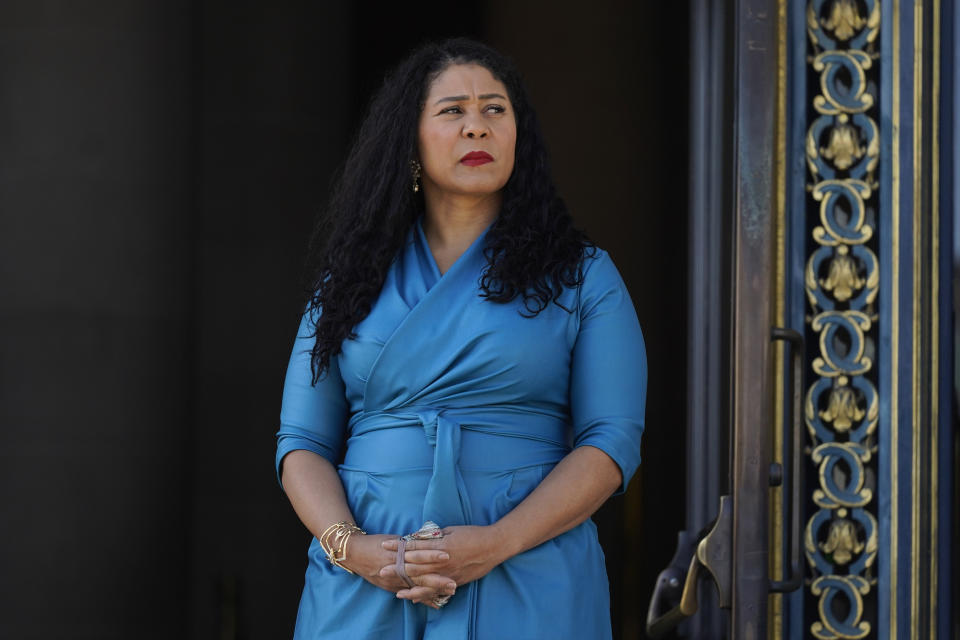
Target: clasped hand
[(436, 567)]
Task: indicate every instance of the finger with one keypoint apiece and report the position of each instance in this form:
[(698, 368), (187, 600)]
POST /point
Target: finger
[(391, 544), (417, 570), (418, 594), (420, 578), (428, 603), (391, 579), (433, 581), (431, 556), (419, 545), (389, 571), (436, 582)]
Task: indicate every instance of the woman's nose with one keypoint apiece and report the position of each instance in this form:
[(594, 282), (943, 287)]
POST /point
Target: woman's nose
[(474, 128)]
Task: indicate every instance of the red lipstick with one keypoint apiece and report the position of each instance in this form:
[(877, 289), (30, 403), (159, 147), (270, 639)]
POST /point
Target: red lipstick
[(476, 158)]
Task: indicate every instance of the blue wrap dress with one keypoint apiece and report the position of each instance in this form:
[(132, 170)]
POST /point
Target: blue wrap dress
[(452, 408)]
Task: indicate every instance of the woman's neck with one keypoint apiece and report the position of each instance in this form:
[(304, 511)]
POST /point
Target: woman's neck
[(453, 221)]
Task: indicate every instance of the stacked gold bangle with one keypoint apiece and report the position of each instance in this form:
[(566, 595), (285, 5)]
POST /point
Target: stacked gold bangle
[(334, 540)]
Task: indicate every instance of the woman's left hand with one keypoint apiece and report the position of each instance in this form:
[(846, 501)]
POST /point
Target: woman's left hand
[(472, 553)]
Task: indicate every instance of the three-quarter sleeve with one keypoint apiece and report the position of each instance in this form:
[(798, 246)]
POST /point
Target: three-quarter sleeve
[(311, 417), (608, 378)]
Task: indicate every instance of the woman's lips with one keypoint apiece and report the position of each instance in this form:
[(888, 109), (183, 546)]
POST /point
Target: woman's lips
[(476, 158)]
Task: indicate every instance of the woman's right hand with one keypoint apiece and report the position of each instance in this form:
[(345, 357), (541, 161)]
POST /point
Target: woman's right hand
[(366, 557)]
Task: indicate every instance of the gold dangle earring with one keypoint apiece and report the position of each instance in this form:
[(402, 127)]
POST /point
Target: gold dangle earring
[(415, 170)]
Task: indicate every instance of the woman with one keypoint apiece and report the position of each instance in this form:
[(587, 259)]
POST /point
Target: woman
[(468, 358)]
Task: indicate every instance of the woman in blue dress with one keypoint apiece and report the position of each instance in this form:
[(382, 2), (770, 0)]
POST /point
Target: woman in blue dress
[(467, 357)]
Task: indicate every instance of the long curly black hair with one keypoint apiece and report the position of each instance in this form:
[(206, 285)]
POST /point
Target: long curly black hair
[(532, 248)]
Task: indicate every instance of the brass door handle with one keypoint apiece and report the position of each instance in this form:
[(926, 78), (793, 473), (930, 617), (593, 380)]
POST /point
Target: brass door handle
[(793, 581), (658, 624), (673, 583), (711, 552), (715, 553)]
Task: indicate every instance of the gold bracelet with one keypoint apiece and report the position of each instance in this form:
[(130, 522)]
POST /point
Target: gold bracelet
[(334, 540)]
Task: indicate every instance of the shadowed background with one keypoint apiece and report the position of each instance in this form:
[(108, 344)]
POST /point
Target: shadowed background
[(160, 167)]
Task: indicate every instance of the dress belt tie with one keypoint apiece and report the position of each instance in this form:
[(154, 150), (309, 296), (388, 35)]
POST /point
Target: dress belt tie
[(448, 504)]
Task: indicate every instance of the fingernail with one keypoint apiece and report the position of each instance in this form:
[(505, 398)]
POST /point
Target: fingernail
[(444, 556), (452, 586)]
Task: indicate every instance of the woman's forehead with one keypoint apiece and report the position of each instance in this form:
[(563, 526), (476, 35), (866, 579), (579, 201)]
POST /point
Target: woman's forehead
[(468, 80)]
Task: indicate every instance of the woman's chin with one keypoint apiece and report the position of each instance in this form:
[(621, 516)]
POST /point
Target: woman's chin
[(474, 188)]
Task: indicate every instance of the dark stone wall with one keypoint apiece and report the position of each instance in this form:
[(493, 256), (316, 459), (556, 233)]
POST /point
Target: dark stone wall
[(96, 308), (274, 94)]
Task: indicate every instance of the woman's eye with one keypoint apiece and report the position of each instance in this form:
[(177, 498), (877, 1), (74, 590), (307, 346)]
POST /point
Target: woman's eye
[(493, 108)]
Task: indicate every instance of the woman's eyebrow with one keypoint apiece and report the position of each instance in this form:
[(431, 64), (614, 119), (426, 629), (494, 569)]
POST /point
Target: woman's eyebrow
[(484, 96)]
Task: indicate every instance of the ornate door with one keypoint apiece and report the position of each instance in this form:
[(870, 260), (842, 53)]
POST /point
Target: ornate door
[(822, 200)]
